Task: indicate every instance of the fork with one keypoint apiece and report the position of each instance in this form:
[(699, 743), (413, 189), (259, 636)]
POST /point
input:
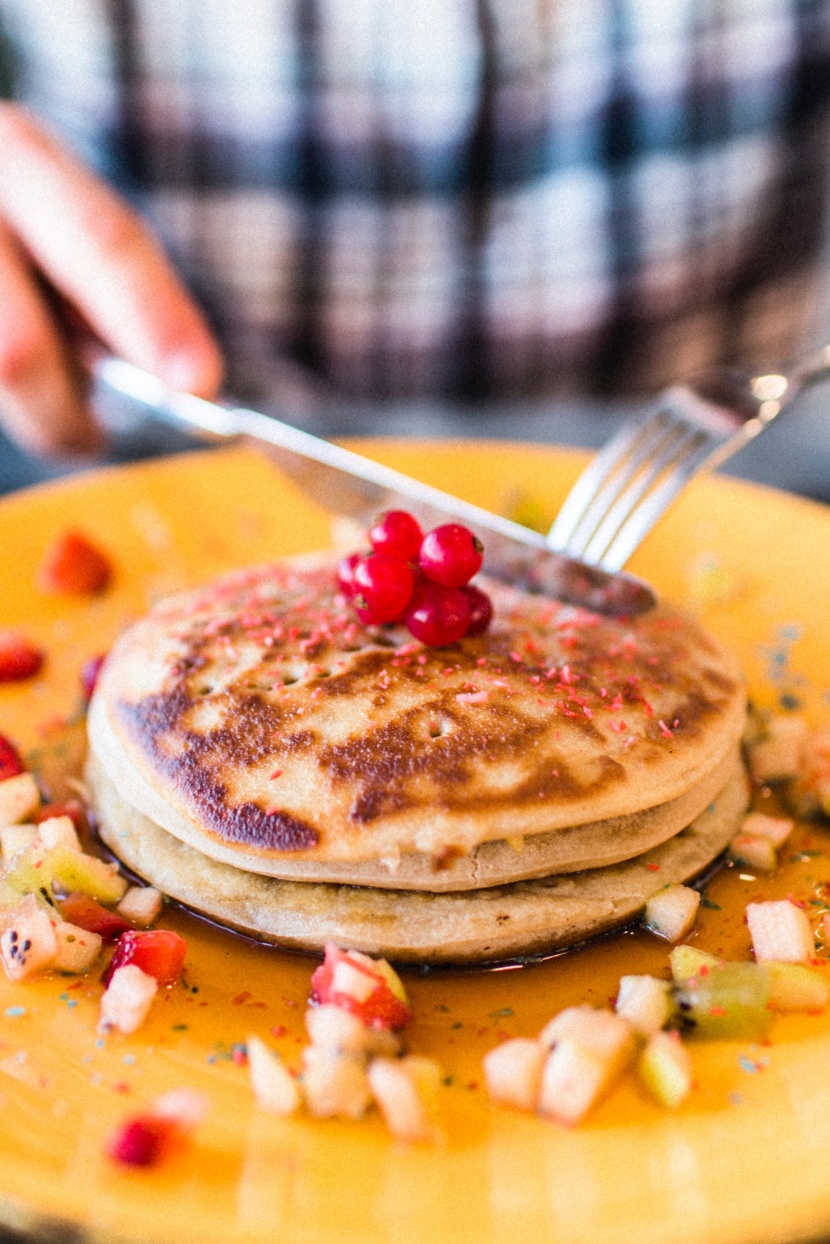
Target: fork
[(692, 427)]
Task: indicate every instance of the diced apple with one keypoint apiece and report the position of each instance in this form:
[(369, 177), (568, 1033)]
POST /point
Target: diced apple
[(688, 961), (14, 838), (573, 1080), (384, 969), (58, 831), (809, 793), (776, 829), (77, 948), (665, 1068), (753, 852), (353, 983), (28, 944), (72, 870), (775, 756), (730, 1002), (780, 931), (127, 1000), (513, 1072), (141, 905), (406, 1091), (333, 1028), (794, 987), (610, 1037), (274, 1089), (671, 912), (334, 1083), (19, 799), (645, 1001)]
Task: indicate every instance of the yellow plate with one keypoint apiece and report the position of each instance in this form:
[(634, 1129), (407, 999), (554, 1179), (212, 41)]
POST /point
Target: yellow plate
[(744, 1159)]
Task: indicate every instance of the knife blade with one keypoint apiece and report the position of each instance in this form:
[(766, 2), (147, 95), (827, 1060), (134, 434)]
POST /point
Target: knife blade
[(347, 483)]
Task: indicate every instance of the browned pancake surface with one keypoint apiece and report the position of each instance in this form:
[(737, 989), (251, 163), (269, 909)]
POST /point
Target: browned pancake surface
[(269, 723)]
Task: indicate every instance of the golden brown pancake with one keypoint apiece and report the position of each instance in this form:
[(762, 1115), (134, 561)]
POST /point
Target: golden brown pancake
[(256, 721), (483, 925)]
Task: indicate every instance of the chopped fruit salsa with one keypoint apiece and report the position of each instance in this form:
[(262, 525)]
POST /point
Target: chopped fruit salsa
[(420, 580)]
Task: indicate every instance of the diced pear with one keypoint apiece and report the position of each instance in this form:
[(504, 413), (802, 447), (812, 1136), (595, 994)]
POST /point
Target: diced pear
[(776, 829), (72, 870), (333, 1028), (352, 982), (28, 943), (77, 948), (665, 1068), (775, 756), (406, 1091), (753, 852), (513, 1072), (127, 1000), (780, 931), (141, 905), (184, 1106), (14, 838), (573, 1080), (19, 799), (608, 1036), (729, 1002), (335, 1083), (671, 912), (58, 831), (794, 987), (688, 961), (274, 1089), (645, 1001)]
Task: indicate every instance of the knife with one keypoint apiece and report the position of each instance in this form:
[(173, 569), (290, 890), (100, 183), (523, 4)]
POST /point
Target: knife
[(346, 483)]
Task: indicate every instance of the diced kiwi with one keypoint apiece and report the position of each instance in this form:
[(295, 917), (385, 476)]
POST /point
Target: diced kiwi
[(687, 961), (72, 870), (731, 1002)]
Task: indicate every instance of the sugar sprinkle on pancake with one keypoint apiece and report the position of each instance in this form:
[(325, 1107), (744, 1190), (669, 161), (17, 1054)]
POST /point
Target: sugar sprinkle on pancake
[(258, 722)]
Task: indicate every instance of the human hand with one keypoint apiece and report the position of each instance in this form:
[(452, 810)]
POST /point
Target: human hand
[(60, 224)]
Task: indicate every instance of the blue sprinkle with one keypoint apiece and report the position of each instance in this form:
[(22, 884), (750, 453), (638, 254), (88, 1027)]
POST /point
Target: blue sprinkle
[(100, 1043), (128, 1060), (12, 1012), (747, 1064)]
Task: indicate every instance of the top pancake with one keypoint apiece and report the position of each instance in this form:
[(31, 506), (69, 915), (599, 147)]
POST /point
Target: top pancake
[(256, 720)]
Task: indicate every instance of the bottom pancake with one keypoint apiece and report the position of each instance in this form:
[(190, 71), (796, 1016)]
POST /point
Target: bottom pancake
[(526, 917)]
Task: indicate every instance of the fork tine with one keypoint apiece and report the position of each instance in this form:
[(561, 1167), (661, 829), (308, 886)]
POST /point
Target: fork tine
[(646, 513), (684, 443)]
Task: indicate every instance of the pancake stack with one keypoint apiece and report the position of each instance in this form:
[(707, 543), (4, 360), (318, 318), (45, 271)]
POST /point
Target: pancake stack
[(273, 764)]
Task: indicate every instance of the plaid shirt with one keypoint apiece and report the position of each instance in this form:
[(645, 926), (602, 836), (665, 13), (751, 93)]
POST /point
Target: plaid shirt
[(461, 199)]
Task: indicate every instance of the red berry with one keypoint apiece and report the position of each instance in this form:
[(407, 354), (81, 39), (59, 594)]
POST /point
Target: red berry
[(382, 588), (74, 566), (158, 952), (142, 1141), (10, 762), (438, 615), (481, 609), (396, 533), (450, 555), (89, 674), (345, 573), (73, 808), (18, 658)]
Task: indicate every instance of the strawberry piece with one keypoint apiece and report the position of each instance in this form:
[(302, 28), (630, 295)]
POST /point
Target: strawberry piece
[(88, 914), (89, 674), (73, 566), (73, 808), (158, 952), (378, 1009), (19, 659), (143, 1141), (10, 763)]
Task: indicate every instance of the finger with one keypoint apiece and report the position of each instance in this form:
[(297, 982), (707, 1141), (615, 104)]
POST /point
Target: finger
[(40, 403), (101, 255)]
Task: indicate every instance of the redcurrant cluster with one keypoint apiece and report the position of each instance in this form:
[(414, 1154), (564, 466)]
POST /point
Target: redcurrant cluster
[(420, 580)]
